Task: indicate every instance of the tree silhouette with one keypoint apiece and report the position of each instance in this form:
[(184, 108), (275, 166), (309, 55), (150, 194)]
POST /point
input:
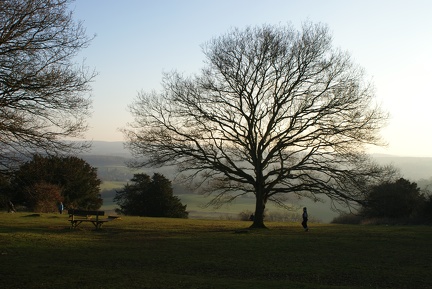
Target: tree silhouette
[(42, 89), (275, 111)]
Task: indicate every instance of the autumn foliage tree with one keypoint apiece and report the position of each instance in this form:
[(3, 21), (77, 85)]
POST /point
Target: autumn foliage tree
[(43, 197), (43, 90), (275, 111)]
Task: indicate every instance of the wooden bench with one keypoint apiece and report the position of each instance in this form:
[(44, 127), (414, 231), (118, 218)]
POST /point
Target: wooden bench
[(76, 217)]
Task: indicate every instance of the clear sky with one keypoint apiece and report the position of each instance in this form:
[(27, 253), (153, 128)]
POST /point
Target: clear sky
[(137, 40)]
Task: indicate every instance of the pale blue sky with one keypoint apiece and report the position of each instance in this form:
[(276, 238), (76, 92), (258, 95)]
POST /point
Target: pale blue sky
[(137, 40)]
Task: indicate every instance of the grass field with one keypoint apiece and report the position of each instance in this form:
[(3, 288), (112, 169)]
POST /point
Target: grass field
[(133, 252)]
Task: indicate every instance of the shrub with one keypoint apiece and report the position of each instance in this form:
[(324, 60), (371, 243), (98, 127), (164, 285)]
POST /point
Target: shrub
[(245, 215)]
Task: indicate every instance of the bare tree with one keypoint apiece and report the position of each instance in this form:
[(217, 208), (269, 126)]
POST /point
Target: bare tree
[(275, 111), (42, 89)]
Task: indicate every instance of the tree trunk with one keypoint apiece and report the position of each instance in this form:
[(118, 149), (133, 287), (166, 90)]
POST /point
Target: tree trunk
[(258, 221)]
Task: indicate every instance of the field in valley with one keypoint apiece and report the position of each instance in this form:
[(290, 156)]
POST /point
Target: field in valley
[(196, 206)]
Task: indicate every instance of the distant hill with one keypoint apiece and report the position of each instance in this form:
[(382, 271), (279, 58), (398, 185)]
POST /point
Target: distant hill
[(104, 153), (105, 160), (108, 148), (412, 168)]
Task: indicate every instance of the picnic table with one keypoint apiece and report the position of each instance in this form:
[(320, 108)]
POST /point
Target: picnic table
[(76, 217)]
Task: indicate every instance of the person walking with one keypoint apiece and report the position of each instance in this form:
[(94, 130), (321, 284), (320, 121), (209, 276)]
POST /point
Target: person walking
[(305, 219), (11, 208), (60, 207)]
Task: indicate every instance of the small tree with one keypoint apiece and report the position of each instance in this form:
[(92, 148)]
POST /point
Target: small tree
[(395, 200), (79, 183), (151, 197)]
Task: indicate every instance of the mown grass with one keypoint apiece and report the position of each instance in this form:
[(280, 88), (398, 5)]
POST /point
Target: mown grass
[(134, 252)]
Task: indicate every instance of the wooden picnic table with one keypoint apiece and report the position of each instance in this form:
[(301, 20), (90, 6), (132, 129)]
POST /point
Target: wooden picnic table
[(76, 217)]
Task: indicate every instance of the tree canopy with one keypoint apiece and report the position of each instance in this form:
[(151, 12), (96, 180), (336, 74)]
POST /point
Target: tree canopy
[(395, 200), (152, 197), (275, 111), (42, 90), (78, 181)]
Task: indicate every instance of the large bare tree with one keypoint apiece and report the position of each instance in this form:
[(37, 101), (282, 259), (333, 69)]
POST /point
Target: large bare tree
[(275, 111), (42, 89)]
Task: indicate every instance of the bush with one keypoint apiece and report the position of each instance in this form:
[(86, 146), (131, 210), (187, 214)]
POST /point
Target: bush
[(245, 215)]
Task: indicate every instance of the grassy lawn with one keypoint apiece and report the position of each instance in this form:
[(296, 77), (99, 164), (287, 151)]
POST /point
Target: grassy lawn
[(133, 252)]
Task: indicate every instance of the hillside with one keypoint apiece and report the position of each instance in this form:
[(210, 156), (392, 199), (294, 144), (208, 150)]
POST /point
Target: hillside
[(413, 168)]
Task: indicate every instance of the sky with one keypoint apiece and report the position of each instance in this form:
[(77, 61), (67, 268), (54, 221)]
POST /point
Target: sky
[(137, 40)]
